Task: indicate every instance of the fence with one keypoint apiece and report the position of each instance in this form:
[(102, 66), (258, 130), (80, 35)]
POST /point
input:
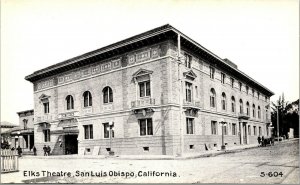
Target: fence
[(9, 161)]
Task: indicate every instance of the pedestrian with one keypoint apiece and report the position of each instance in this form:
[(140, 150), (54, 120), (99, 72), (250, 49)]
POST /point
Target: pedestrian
[(45, 150), (34, 150), (48, 150), (19, 149), (258, 140), (262, 141)]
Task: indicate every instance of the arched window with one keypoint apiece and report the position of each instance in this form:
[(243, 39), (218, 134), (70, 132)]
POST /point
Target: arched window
[(223, 102), (87, 99), (248, 108), (70, 102), (258, 111), (212, 98), (232, 104), (253, 111), (241, 106), (107, 95)]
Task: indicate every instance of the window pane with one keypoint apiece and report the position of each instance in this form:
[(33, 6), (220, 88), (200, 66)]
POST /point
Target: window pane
[(91, 131), (106, 131), (105, 96), (142, 127), (86, 132), (90, 99), (148, 88), (110, 95), (149, 127), (142, 89)]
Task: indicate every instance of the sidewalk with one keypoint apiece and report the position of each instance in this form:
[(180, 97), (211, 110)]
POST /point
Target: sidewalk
[(201, 154), (151, 157)]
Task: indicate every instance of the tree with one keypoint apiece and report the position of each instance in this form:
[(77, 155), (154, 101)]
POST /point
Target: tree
[(288, 117)]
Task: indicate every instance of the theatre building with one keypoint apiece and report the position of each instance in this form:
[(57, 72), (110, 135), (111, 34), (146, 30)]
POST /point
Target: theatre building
[(159, 92)]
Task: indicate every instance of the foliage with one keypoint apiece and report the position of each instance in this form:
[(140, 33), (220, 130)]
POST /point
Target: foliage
[(288, 116)]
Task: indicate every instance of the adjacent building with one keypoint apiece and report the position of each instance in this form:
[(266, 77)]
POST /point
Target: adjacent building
[(20, 135), (159, 92)]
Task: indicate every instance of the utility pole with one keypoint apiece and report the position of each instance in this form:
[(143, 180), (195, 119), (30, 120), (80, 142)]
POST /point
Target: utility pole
[(278, 122)]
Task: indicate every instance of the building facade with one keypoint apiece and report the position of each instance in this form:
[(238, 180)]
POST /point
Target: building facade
[(24, 134), (158, 92)]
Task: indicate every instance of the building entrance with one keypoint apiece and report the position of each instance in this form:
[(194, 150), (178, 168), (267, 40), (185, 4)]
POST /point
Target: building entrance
[(71, 144)]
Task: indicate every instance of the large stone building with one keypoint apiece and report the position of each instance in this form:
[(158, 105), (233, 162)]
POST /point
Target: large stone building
[(140, 96)]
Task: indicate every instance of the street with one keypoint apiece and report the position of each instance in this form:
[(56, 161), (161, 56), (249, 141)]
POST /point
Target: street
[(270, 165)]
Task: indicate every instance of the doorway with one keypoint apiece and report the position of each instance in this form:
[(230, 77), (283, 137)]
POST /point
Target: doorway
[(31, 138), (71, 144)]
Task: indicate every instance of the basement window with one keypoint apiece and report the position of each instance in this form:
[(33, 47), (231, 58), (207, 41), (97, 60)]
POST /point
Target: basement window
[(108, 149), (146, 149), (88, 150), (192, 147)]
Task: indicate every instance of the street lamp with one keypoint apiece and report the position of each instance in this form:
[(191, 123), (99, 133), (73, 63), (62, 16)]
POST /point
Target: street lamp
[(223, 147), (111, 124)]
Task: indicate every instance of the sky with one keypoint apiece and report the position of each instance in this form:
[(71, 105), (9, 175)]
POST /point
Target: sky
[(260, 36)]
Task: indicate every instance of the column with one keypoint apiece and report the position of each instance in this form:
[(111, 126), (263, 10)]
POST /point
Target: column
[(246, 134), (241, 132)]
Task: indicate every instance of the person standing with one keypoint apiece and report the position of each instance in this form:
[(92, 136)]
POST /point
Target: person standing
[(48, 150), (45, 150), (34, 150), (19, 149), (262, 141), (258, 140)]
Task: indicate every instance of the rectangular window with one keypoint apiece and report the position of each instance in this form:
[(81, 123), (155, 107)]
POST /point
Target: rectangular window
[(254, 130), (213, 127), (107, 130), (197, 93), (233, 129), (223, 76), (259, 131), (146, 127), (187, 60), (247, 89), (88, 131), (46, 135), (249, 130), (144, 88), (232, 82), (266, 98), (253, 91), (190, 125), (212, 72), (188, 92), (240, 86), (46, 107)]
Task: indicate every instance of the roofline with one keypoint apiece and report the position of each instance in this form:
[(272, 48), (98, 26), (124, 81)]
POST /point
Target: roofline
[(31, 110), (220, 59), (133, 39)]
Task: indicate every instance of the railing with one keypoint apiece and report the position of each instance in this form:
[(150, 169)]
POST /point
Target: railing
[(68, 115), (45, 118), (192, 104), (9, 161), (143, 103), (243, 116)]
